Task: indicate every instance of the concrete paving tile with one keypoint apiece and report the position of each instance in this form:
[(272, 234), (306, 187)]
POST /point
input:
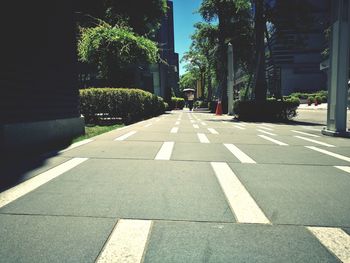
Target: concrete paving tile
[(119, 150), (202, 152), (208, 242), (131, 189), (301, 195), (25, 238)]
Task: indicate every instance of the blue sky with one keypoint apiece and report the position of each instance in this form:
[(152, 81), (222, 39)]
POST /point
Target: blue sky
[(184, 19)]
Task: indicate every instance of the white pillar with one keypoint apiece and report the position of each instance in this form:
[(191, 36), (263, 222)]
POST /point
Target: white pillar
[(230, 78), (339, 68)]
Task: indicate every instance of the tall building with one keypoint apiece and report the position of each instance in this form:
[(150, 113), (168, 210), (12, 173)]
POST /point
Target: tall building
[(166, 74), (295, 62)]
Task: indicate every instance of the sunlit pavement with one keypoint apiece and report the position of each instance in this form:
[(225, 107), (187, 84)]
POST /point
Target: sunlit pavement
[(186, 187)]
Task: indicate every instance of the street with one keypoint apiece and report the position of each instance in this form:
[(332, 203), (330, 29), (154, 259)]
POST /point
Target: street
[(186, 187)]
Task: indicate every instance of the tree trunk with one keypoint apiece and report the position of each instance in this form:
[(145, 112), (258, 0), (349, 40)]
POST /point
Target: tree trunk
[(260, 87), (222, 65)]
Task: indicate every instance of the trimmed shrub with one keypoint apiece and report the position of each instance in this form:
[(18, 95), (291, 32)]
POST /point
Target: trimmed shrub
[(130, 105), (270, 110), (177, 103), (318, 100)]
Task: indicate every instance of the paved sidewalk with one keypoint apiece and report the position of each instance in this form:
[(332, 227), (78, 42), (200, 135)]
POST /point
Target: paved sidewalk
[(185, 187)]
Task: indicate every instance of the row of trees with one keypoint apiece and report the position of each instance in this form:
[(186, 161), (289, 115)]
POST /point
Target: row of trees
[(247, 25), (117, 35)]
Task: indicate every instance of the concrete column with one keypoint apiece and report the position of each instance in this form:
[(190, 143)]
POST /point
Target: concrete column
[(339, 65), (230, 78)]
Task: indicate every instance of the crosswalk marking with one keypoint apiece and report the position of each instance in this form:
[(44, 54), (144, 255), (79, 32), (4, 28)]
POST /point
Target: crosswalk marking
[(242, 204), (174, 130), (21, 189), (343, 168), (203, 123), (177, 123), (239, 127), (77, 144), (273, 140), (165, 151), (305, 133), (338, 156), (147, 125), (125, 136), (195, 126), (241, 156), (266, 132), (127, 242), (335, 240), (193, 121), (203, 138), (212, 131), (314, 141)]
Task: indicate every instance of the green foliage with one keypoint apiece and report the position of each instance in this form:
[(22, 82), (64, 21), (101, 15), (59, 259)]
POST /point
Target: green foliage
[(188, 80), (318, 100), (269, 110), (128, 104), (143, 16), (177, 103), (112, 49), (322, 96)]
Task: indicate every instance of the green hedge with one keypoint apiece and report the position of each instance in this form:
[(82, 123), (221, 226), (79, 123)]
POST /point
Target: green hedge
[(322, 94), (270, 110), (177, 103), (130, 105)]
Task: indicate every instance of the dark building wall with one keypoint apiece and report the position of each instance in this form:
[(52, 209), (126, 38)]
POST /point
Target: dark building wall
[(169, 74), (38, 78), (298, 55)]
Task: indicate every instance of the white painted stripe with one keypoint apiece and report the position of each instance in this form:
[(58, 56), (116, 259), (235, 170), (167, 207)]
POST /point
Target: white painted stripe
[(238, 127), (148, 125), (165, 151), (203, 138), (335, 240), (212, 131), (344, 168), (239, 154), (265, 128), (125, 136), (127, 242), (314, 141), (157, 120), (267, 125), (341, 157), (16, 192), (273, 140), (177, 123), (312, 129), (195, 126), (193, 121), (266, 132), (203, 123), (242, 204), (77, 144), (123, 128), (240, 124), (174, 130), (307, 134)]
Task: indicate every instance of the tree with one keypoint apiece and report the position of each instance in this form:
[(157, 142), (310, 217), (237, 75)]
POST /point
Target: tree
[(112, 49), (143, 16), (188, 80), (228, 13)]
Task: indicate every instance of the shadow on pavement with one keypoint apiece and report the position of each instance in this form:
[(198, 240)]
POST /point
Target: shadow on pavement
[(19, 166)]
